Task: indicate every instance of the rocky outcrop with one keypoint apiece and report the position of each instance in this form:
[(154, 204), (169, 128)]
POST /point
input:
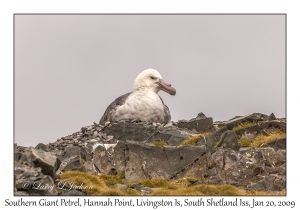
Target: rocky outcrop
[(220, 138), (140, 132), (199, 124), (128, 148), (39, 158), (30, 180), (144, 161)]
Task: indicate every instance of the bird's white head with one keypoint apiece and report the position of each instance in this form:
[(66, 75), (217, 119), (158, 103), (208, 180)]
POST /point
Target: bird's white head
[(151, 79)]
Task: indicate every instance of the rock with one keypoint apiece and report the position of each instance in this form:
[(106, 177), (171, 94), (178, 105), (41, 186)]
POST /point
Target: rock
[(171, 136), (75, 158), (83, 129), (122, 187), (255, 117), (17, 153), (131, 131), (248, 133), (147, 161), (269, 183), (212, 139), (200, 116), (39, 158), (236, 167), (41, 146), (272, 117), (125, 149), (169, 124), (110, 158), (73, 193), (147, 190), (278, 144), (201, 125), (275, 124), (230, 141), (220, 138), (33, 181), (282, 170), (215, 179), (273, 157)]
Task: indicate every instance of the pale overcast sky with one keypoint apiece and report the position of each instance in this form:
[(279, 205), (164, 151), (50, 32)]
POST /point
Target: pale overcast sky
[(69, 68)]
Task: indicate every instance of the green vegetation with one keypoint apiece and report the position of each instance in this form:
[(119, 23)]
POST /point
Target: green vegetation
[(193, 139), (244, 125), (95, 185), (245, 142), (105, 185), (158, 143), (261, 140), (111, 180)]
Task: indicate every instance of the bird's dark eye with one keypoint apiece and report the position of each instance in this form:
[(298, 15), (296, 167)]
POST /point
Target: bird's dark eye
[(152, 77)]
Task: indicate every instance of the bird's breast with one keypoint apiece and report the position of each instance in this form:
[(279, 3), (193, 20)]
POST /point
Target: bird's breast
[(146, 106)]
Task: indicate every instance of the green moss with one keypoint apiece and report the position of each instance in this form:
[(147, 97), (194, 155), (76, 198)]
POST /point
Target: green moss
[(208, 190), (193, 139), (157, 183), (105, 185), (191, 180), (261, 140), (159, 143), (244, 125), (220, 125), (111, 180), (245, 142)]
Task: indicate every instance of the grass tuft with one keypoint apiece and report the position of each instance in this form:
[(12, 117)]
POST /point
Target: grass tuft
[(262, 141), (193, 139), (95, 185), (104, 185), (112, 179), (156, 183), (210, 190), (245, 142), (244, 125), (158, 143)]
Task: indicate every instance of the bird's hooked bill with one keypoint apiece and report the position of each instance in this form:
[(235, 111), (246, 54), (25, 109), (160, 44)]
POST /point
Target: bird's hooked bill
[(167, 87)]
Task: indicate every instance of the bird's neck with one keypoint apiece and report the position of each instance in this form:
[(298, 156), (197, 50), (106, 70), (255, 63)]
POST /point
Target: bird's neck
[(144, 90)]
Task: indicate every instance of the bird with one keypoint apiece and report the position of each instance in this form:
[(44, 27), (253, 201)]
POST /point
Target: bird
[(143, 103)]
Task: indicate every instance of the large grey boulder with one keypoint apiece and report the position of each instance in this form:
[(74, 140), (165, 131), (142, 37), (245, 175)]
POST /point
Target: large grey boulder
[(110, 158), (38, 158), (278, 144), (139, 160), (221, 138), (146, 161), (272, 182), (141, 132), (275, 124), (172, 136), (33, 181), (249, 168), (131, 131), (255, 117), (249, 133), (75, 158), (201, 124)]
